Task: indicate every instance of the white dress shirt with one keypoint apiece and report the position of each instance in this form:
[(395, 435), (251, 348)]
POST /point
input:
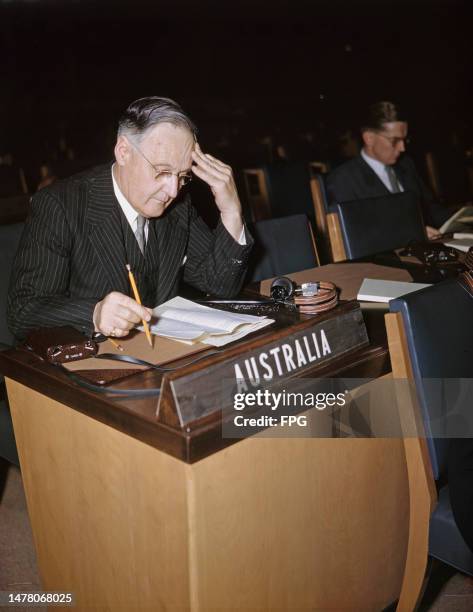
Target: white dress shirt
[(130, 213), (380, 170)]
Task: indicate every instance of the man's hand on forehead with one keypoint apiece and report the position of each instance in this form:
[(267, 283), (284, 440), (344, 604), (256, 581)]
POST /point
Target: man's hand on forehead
[(220, 179)]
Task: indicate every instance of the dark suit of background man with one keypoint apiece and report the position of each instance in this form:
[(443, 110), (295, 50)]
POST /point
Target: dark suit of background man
[(70, 267), (381, 168)]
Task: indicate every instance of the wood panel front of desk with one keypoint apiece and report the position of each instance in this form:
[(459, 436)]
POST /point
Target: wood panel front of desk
[(264, 524)]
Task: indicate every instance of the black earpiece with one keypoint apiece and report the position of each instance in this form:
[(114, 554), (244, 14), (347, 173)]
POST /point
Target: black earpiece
[(282, 288)]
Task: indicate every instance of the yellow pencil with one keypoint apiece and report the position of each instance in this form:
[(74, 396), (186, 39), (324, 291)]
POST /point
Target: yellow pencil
[(138, 299), (116, 345)]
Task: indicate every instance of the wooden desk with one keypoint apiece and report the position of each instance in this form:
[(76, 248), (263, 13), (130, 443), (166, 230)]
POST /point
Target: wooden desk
[(131, 514)]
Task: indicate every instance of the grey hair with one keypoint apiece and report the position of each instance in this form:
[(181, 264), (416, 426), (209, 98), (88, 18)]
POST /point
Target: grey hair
[(145, 113)]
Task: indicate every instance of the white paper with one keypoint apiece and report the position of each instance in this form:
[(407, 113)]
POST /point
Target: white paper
[(188, 322), (461, 244), (375, 290)]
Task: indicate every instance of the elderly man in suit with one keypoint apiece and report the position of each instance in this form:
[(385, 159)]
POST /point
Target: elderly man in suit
[(71, 264), (381, 168)]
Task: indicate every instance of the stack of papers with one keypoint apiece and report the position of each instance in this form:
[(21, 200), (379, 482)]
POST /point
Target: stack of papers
[(461, 241), (188, 322), (374, 290)]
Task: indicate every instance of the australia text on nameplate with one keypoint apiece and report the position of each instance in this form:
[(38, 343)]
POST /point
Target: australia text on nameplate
[(199, 393), (286, 358)]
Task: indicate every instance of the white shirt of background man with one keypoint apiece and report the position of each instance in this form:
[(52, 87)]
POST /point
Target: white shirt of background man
[(380, 170)]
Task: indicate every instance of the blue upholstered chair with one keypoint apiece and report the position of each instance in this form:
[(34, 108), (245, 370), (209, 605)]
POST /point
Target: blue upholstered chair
[(438, 338), (282, 246), (9, 239), (380, 224)]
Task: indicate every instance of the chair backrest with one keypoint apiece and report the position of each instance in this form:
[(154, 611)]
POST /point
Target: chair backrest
[(282, 246), (380, 224), (318, 167), (257, 193), (9, 239), (319, 199), (438, 324), (320, 176), (279, 189)]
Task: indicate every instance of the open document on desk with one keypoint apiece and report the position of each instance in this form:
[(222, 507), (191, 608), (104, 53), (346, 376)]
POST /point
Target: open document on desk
[(188, 322)]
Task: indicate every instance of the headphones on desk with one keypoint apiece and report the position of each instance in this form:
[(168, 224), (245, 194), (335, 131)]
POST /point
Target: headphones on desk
[(310, 298)]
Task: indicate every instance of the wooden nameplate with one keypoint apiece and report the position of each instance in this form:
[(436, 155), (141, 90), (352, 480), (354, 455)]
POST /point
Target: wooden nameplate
[(195, 392)]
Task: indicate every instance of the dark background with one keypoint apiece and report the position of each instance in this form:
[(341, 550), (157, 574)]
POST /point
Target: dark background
[(243, 70)]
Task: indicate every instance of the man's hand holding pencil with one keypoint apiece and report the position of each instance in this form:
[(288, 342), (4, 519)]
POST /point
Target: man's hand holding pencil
[(117, 314)]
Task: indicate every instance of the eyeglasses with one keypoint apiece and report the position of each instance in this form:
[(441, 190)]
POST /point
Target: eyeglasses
[(184, 178), (395, 140)]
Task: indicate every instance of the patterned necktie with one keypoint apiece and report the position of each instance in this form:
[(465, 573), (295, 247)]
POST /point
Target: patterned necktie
[(140, 233), (393, 180)]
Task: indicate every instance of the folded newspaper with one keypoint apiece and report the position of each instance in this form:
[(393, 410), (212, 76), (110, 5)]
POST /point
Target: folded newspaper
[(188, 322)]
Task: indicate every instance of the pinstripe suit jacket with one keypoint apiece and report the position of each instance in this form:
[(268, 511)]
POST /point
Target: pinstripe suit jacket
[(72, 254)]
